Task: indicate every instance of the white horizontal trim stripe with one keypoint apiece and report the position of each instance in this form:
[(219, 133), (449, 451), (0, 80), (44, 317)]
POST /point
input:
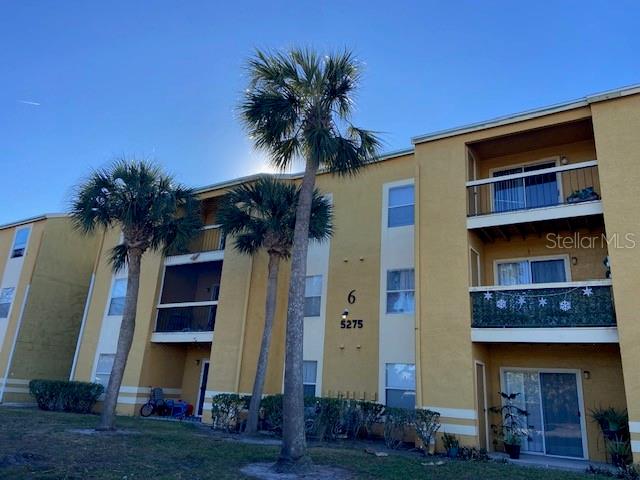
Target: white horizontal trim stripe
[(635, 446), (189, 258), (469, 430), (182, 337), (188, 304), (536, 214), (16, 390), (532, 286), (16, 381), (146, 390), (634, 427), (533, 173), (462, 413), (546, 335), (132, 400)]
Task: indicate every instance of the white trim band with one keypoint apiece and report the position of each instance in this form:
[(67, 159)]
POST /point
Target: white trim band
[(634, 427), (531, 286), (635, 446), (461, 413), (469, 430), (546, 335)]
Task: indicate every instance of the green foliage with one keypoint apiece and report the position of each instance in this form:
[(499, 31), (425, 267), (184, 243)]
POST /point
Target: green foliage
[(299, 104), (427, 423), (513, 426), (62, 395), (613, 423), (263, 215), (450, 441), (396, 422), (473, 454), (271, 406), (225, 411), (136, 196)]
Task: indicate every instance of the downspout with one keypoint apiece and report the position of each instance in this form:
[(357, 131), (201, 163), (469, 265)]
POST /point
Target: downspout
[(85, 313), (418, 281)]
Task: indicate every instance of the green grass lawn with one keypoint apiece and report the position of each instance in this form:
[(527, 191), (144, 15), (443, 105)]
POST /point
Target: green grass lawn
[(43, 445)]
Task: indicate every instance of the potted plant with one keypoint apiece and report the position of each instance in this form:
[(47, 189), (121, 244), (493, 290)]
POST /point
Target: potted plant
[(619, 451), (584, 195), (451, 444), (614, 425), (513, 426)]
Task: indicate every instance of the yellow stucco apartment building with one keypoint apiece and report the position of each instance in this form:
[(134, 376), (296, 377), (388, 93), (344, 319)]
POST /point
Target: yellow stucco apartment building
[(45, 274), (483, 259)]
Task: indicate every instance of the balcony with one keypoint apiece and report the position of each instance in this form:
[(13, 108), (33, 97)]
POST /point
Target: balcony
[(188, 303), (567, 311), (534, 193), (209, 241)]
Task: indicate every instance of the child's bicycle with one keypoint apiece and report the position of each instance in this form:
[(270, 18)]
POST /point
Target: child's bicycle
[(164, 408)]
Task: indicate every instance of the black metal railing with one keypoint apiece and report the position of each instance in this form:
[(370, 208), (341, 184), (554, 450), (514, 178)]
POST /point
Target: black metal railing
[(208, 240), (524, 188), (575, 304), (201, 318)]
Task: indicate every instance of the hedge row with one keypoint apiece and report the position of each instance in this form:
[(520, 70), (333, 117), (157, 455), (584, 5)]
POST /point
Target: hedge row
[(65, 396)]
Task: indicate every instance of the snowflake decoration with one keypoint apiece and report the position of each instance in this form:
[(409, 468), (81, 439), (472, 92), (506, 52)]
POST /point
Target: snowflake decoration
[(587, 291), (542, 302), (521, 301), (501, 304), (565, 305), (488, 295)]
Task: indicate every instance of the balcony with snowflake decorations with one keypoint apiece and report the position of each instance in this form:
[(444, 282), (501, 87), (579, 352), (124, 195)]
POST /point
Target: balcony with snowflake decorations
[(562, 312)]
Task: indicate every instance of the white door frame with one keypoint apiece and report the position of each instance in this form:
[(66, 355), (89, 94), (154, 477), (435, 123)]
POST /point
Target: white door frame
[(203, 361), (583, 425), (484, 394)]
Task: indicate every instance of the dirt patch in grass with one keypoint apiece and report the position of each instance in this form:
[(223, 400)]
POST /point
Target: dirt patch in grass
[(103, 433), (264, 471)]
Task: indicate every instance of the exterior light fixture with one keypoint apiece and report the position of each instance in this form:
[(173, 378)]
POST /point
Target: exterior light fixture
[(345, 314)]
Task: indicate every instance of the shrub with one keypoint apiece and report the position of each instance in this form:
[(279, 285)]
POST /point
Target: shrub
[(271, 406), (395, 422), (65, 396), (473, 454), (427, 423), (225, 411)]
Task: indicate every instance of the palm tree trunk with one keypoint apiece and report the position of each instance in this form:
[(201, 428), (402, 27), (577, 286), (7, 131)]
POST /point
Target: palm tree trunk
[(263, 358), (125, 338), (293, 454)]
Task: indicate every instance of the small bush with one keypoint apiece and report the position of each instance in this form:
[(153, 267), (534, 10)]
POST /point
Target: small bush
[(427, 423), (271, 407), (225, 411), (65, 396), (473, 454), (395, 422)]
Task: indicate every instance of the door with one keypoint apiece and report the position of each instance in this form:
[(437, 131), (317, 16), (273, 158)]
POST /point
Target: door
[(481, 399), (552, 400), (203, 386), (528, 192)]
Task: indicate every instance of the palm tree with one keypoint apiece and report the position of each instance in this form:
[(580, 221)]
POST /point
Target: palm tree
[(154, 214), (298, 106), (260, 216)]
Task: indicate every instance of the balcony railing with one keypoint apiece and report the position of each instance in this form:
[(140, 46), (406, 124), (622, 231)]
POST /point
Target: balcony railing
[(533, 187), (186, 317), (209, 239), (569, 304)]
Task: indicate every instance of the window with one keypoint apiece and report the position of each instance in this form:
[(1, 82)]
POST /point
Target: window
[(6, 296), (118, 293), (312, 295), (309, 373), (103, 369), (401, 203), (528, 192), (531, 271), (20, 242), (400, 291), (400, 385)]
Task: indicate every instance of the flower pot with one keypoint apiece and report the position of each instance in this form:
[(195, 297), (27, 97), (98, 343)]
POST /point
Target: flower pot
[(512, 450), (452, 452)]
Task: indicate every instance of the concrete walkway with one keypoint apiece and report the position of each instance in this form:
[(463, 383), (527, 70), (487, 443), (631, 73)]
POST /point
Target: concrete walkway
[(543, 461)]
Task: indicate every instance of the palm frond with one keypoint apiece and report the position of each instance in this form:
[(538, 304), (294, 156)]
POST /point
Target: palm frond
[(118, 257)]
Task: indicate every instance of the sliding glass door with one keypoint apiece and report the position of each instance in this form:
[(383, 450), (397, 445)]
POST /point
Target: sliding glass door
[(553, 402), (528, 192)]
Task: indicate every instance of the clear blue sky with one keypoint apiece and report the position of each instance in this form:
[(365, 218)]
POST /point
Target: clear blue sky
[(162, 79)]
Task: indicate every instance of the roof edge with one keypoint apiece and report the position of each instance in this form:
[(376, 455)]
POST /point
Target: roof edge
[(36, 218), (528, 114)]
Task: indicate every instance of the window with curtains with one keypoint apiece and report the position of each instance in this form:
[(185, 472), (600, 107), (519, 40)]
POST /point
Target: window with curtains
[(103, 368), (118, 294), (528, 192), (400, 291), (531, 271), (309, 375), (401, 206), (312, 295), (400, 385), (6, 297)]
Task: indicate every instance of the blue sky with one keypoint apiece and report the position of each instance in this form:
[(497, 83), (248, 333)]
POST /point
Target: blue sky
[(85, 81)]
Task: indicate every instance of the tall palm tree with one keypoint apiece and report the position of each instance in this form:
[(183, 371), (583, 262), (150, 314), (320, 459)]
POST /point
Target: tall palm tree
[(260, 216), (154, 214), (298, 107)]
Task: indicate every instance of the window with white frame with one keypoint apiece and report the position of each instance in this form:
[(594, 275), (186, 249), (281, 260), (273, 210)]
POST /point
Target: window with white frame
[(312, 295), (104, 367), (519, 272), (401, 206), (400, 385), (309, 375), (6, 297), (118, 294), (20, 242), (400, 291)]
